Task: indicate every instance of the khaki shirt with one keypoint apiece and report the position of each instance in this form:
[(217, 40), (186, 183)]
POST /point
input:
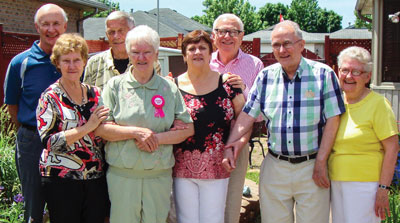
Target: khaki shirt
[(100, 69), (130, 104)]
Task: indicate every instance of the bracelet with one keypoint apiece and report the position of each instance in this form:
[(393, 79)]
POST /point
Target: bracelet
[(382, 186)]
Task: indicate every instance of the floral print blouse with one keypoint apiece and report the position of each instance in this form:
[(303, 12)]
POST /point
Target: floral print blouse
[(200, 156), (84, 159)]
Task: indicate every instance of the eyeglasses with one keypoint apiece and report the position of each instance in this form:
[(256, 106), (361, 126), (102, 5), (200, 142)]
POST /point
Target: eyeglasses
[(346, 71), (287, 45), (232, 32)]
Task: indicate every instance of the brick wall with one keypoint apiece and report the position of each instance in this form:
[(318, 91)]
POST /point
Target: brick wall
[(17, 16)]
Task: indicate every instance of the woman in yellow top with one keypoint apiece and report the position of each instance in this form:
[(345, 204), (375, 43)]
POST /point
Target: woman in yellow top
[(363, 157)]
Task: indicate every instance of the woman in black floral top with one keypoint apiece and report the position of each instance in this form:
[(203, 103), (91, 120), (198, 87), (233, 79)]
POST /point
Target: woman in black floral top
[(72, 161), (200, 180)]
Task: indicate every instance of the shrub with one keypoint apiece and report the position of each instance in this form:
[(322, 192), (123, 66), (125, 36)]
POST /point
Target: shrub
[(11, 200)]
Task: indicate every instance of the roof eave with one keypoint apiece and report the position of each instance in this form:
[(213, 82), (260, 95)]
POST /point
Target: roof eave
[(81, 4)]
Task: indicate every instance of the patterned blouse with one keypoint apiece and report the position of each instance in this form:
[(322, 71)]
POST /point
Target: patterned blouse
[(83, 160), (200, 156)]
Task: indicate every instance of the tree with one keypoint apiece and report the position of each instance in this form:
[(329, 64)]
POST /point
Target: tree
[(306, 13), (269, 13), (361, 23), (114, 6), (243, 9)]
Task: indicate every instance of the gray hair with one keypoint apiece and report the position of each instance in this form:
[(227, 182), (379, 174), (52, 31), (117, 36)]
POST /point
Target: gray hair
[(295, 26), (228, 16), (116, 15), (47, 7), (142, 33), (358, 53)]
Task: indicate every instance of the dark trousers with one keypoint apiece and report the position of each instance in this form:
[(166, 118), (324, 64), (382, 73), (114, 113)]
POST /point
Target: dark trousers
[(27, 156), (77, 201)]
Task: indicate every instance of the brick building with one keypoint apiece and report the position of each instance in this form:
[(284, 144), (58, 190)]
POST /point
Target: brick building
[(17, 15)]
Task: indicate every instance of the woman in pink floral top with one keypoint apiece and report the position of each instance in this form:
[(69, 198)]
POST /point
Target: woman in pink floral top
[(200, 180)]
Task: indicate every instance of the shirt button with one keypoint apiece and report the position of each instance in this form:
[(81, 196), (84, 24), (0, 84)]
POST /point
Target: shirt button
[(289, 127), (290, 97), (290, 142), (290, 112)]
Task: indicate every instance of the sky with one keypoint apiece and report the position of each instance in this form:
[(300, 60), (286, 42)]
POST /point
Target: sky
[(190, 8)]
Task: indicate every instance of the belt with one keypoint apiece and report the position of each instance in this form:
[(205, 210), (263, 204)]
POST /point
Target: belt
[(29, 127), (294, 160)]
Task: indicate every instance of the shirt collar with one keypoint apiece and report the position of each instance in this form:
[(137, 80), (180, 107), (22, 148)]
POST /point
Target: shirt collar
[(215, 59), (110, 61), (302, 66), (37, 52), (152, 84)]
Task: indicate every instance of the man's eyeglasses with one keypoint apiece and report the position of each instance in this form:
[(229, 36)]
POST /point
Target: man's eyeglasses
[(346, 71), (287, 45), (232, 32)]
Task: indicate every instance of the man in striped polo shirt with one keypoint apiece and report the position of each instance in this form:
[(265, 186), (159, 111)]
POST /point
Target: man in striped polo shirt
[(301, 102), (228, 34)]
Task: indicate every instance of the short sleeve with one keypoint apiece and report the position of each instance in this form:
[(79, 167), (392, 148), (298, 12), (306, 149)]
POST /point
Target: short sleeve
[(88, 74), (252, 105), (12, 84), (333, 96), (384, 121), (181, 112)]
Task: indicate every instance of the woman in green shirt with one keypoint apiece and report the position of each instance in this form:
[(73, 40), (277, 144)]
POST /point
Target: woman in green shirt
[(143, 107)]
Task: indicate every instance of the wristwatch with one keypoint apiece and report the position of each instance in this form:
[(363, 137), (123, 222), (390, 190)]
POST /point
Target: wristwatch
[(382, 186)]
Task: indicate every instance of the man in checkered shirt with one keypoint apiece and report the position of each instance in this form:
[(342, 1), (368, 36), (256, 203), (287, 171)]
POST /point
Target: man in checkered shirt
[(301, 101)]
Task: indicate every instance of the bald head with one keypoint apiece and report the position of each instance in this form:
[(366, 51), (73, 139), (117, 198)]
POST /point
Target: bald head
[(50, 9), (289, 25), (50, 22)]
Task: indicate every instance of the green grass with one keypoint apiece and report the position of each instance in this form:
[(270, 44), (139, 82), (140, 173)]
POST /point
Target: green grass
[(254, 176)]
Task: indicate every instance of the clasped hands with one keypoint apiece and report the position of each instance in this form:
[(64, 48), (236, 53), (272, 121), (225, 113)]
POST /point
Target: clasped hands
[(146, 140), (231, 153)]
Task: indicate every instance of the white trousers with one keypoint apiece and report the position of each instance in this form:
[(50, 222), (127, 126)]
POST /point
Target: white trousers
[(353, 202), (200, 201)]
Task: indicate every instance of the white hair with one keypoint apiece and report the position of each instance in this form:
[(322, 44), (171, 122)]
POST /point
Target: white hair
[(228, 16), (142, 33), (358, 53), (295, 26), (116, 15), (47, 7)]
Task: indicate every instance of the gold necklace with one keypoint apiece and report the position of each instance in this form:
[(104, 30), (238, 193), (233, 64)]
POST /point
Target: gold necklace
[(83, 101)]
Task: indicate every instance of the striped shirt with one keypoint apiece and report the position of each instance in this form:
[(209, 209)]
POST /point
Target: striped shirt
[(245, 65), (295, 110)]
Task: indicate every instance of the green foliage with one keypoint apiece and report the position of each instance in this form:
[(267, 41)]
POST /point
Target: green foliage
[(243, 9), (361, 23), (270, 12), (10, 209), (394, 203), (312, 18), (114, 6)]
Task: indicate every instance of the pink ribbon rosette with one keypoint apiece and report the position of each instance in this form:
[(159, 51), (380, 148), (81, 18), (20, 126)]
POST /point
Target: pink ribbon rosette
[(158, 102)]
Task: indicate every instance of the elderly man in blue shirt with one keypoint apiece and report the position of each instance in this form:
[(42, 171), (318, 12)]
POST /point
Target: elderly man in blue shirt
[(28, 75), (301, 101)]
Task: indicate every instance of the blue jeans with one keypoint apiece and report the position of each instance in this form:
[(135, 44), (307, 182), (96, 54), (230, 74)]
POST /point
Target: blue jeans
[(27, 156)]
